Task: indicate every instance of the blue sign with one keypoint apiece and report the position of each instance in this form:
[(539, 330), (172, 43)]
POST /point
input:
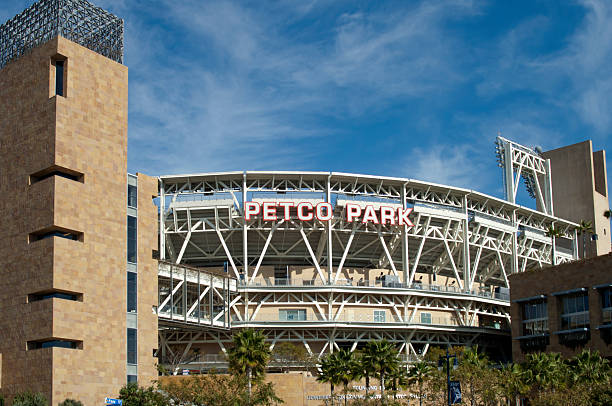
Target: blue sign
[(455, 392), (111, 401)]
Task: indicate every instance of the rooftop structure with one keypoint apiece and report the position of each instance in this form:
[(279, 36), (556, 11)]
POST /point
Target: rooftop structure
[(77, 20)]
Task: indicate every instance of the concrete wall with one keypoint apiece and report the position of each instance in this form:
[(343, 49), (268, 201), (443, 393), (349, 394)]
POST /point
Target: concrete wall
[(84, 132), (302, 389), (579, 183), (585, 273), (147, 278)]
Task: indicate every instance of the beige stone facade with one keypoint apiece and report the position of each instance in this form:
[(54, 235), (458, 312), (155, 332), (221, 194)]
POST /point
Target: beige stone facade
[(580, 192), (64, 160), (591, 276)]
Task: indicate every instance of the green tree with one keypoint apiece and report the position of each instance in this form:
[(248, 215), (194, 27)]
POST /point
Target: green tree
[(346, 364), (590, 368), (218, 390), (583, 228), (383, 357), (134, 395), (30, 399), (546, 376), (365, 369), (287, 354), (476, 376), (418, 376), (249, 356), (510, 383), (71, 402), (330, 372)]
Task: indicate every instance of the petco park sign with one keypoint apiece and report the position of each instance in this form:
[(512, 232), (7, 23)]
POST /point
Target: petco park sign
[(323, 211)]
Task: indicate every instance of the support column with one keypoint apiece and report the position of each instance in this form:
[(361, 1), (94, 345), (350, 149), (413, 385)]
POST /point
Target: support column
[(548, 193), (514, 268), (330, 269), (162, 221), (508, 172), (466, 248), (405, 252), (245, 251)]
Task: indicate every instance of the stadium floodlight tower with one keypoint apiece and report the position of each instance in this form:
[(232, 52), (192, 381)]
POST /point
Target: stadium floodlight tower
[(517, 160)]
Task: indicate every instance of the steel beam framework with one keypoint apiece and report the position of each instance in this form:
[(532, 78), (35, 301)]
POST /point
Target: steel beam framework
[(76, 20), (469, 240)]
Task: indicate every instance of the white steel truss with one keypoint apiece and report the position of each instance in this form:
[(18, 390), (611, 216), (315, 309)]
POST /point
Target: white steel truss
[(469, 240)]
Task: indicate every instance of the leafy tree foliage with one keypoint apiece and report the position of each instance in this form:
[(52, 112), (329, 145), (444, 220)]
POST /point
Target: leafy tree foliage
[(219, 390), (30, 399), (71, 402), (134, 395), (249, 356)]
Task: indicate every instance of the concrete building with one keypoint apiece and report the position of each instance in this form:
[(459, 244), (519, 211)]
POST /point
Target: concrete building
[(563, 308), (580, 192), (63, 141)]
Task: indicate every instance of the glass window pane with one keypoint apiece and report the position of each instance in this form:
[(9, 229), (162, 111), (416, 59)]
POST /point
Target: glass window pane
[(132, 238), (132, 292), (132, 346), (132, 196)]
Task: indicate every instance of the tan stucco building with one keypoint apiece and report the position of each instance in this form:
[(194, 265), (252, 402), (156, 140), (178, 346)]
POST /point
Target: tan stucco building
[(65, 308)]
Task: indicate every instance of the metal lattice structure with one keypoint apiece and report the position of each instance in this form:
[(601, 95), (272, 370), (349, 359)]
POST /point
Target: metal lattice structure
[(76, 20), (519, 161), (442, 282)]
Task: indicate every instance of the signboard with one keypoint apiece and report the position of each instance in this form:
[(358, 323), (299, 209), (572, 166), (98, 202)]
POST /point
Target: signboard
[(185, 372), (385, 215), (455, 392), (111, 401)]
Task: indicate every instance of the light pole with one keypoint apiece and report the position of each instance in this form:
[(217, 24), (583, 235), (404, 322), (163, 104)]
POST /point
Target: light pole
[(441, 361)]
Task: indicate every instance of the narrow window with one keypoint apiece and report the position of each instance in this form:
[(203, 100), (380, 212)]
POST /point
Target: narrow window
[(132, 239), (132, 292), (132, 196), (132, 379), (59, 78), (132, 346)]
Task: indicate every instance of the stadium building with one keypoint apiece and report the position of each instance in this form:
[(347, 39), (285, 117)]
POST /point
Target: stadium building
[(101, 279)]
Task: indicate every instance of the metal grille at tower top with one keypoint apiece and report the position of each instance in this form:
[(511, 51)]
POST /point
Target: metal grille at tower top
[(76, 20)]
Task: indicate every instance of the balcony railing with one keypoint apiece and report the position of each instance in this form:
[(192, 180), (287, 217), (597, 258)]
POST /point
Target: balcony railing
[(434, 321), (306, 283), (535, 327), (575, 320), (606, 314)]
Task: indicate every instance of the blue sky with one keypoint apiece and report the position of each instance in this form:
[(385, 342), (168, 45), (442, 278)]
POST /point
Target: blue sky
[(396, 88)]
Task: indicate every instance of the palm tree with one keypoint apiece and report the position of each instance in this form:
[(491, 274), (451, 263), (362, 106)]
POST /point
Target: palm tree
[(249, 355), (383, 358), (583, 228), (330, 372), (551, 231), (399, 380), (511, 383), (544, 372), (590, 368), (346, 364), (419, 373), (364, 369)]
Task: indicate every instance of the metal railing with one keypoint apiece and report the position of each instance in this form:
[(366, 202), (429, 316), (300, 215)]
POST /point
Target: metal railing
[(271, 318), (534, 327), (317, 282), (606, 315), (575, 321)]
